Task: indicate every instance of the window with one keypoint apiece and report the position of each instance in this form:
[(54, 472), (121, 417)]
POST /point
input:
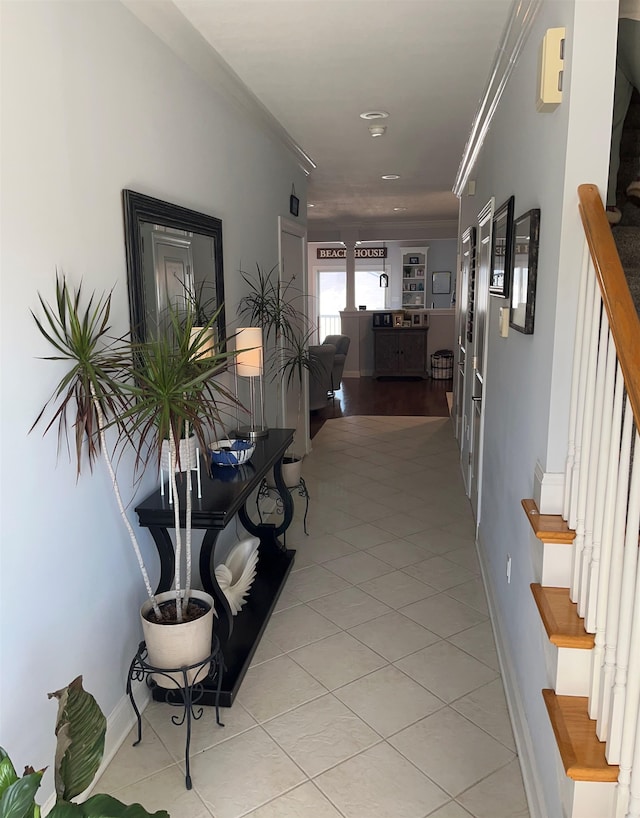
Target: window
[(369, 293)]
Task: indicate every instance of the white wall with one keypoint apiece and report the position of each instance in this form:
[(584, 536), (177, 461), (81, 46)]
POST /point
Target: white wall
[(92, 103), (541, 159)]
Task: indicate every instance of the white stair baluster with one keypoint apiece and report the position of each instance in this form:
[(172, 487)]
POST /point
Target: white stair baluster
[(585, 447), (632, 697), (629, 562), (575, 381), (599, 664), (596, 472)]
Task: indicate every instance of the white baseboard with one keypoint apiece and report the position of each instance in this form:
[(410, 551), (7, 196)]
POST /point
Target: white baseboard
[(526, 756), (352, 373), (119, 723)]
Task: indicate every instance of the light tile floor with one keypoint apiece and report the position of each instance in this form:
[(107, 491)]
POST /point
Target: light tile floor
[(375, 692)]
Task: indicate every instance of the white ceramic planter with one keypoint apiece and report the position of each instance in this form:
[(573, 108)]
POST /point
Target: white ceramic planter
[(165, 455), (291, 473), (175, 646)]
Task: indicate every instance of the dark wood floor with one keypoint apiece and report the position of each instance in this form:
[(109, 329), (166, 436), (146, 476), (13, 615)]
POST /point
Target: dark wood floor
[(385, 396)]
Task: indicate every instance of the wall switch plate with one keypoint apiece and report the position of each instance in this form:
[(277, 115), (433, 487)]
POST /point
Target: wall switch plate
[(504, 321)]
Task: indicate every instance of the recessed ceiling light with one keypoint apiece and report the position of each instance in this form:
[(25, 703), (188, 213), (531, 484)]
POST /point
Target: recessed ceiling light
[(309, 204), (377, 130), (390, 176), (399, 208), (374, 115)]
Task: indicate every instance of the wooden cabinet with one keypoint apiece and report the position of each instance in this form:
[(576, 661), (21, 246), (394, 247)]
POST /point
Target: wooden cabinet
[(400, 352)]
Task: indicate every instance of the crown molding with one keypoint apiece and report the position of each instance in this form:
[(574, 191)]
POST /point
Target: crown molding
[(168, 23), (514, 37)]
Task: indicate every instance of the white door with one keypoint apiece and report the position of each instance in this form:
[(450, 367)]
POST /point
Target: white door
[(464, 334), (292, 241), (479, 354)]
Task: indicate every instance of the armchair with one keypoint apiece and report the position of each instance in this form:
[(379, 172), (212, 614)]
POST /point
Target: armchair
[(341, 343), (320, 375)]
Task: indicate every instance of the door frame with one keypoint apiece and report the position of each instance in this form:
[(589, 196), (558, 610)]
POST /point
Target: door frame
[(290, 227), (479, 373)]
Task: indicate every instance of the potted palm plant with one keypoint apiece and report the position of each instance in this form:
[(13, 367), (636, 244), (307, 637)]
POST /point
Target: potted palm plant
[(280, 311), (147, 392)]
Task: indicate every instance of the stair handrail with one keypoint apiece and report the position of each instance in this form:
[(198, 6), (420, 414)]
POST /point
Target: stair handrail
[(616, 296)]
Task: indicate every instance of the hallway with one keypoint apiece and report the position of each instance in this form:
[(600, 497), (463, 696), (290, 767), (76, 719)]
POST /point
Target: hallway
[(376, 691)]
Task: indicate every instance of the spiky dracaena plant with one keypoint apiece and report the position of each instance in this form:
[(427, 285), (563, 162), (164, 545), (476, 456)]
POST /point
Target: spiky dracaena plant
[(157, 390), (280, 311), (172, 393), (88, 396)]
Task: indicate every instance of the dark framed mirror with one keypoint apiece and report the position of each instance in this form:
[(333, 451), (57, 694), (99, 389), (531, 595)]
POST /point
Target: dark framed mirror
[(502, 249), (525, 272), (174, 256)]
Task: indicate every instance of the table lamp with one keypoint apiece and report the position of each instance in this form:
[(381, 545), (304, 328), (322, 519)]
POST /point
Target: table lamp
[(249, 364)]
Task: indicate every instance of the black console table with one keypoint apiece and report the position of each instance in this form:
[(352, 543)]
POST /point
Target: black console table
[(224, 494)]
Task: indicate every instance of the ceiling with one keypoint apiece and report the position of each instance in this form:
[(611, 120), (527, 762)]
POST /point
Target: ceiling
[(317, 64)]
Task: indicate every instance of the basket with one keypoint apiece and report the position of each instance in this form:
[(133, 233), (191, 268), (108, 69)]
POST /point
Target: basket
[(442, 365)]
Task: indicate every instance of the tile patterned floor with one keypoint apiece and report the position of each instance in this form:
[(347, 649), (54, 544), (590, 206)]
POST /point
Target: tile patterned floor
[(375, 692)]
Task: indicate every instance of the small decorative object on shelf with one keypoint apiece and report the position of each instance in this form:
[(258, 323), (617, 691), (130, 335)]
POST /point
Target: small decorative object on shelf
[(186, 696), (231, 452), (236, 574)]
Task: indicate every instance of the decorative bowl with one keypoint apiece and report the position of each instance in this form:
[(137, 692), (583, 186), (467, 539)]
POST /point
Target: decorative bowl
[(231, 452)]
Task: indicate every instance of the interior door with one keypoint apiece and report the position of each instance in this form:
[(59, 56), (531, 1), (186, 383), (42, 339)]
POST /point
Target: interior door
[(293, 255), (465, 336), (479, 354)]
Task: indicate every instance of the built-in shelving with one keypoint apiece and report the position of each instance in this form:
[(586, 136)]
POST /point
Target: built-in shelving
[(414, 272)]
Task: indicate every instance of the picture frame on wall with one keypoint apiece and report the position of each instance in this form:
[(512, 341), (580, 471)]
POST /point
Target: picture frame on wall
[(441, 282), (526, 230), (502, 249)]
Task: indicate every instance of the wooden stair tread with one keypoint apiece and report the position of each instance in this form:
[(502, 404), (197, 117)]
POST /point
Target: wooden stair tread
[(560, 618), (548, 527), (582, 753)]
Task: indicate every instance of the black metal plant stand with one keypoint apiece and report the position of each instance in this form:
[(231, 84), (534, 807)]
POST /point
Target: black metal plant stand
[(265, 491), (186, 696)]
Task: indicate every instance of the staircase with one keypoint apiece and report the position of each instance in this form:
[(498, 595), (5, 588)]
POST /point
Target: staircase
[(588, 594), (627, 233)]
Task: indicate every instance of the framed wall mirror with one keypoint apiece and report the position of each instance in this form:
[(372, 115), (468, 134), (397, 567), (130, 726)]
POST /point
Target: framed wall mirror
[(525, 272), (174, 258), (501, 250)]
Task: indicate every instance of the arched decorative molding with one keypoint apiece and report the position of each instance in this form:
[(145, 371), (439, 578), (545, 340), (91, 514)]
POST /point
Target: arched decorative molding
[(513, 38)]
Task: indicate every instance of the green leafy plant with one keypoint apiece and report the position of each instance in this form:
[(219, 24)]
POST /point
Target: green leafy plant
[(280, 311), (148, 392), (80, 731)]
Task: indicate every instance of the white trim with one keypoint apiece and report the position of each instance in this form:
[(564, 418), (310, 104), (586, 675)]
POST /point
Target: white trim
[(119, 723), (526, 756), (548, 490), (170, 25), (514, 36)]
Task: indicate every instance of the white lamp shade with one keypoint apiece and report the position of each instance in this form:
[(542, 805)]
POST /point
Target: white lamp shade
[(249, 357)]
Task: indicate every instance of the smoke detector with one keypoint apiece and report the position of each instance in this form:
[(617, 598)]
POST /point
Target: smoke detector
[(377, 130)]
